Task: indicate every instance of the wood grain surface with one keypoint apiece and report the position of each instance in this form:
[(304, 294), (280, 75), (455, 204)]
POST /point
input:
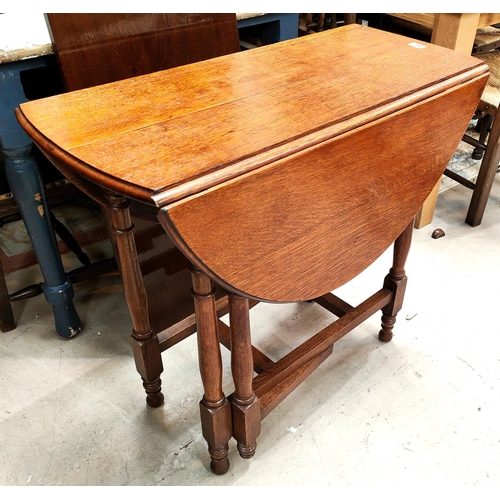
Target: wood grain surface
[(192, 122), (271, 199), (307, 224)]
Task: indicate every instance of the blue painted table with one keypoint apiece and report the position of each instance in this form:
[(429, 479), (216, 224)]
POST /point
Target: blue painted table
[(25, 181)]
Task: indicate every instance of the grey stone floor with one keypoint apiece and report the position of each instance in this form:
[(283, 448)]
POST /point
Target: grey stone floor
[(421, 410)]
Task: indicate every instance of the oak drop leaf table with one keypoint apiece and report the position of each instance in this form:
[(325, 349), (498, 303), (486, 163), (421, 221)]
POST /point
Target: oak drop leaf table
[(268, 197)]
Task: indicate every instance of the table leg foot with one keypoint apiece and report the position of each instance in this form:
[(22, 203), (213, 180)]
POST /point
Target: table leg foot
[(154, 396), (216, 425), (246, 425), (67, 321), (385, 334), (147, 356), (220, 467)]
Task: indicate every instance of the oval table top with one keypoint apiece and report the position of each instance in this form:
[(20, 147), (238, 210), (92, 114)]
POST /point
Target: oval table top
[(283, 171)]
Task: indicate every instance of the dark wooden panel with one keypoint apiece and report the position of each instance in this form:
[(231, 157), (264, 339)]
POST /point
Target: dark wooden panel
[(99, 48)]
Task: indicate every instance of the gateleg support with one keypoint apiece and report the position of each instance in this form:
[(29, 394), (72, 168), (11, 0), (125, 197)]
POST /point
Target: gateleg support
[(246, 425), (216, 428), (215, 410), (396, 282), (147, 356), (245, 404)]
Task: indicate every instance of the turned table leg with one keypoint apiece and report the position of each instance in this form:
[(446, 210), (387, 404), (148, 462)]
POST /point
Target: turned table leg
[(215, 409), (244, 402), (396, 281), (145, 344)]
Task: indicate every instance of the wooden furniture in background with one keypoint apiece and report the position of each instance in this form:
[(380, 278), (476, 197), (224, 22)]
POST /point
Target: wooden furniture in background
[(487, 145), (457, 32), (263, 29), (267, 204), (93, 49), (312, 23), (487, 40), (26, 187)]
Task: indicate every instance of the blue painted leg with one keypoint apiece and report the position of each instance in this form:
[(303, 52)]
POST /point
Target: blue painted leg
[(29, 192)]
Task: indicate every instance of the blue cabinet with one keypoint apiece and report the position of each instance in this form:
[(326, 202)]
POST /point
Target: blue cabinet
[(269, 28)]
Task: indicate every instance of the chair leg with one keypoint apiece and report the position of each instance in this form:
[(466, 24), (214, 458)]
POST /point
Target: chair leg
[(7, 320), (485, 177), (245, 404), (69, 240), (396, 281), (484, 130), (215, 410), (145, 344)]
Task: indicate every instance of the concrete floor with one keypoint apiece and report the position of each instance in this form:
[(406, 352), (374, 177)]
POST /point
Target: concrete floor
[(421, 410)]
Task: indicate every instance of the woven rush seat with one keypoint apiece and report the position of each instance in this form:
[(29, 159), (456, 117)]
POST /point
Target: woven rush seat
[(486, 40), (491, 93)]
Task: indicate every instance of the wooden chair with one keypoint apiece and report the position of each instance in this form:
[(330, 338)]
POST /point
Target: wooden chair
[(94, 49), (486, 47), (487, 145)]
